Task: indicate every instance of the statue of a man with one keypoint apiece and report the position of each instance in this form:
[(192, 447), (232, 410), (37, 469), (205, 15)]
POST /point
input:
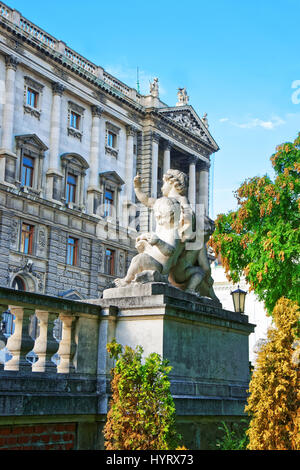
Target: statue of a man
[(183, 97), (154, 91)]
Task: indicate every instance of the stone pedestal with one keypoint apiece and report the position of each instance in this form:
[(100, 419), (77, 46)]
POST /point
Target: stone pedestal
[(206, 346)]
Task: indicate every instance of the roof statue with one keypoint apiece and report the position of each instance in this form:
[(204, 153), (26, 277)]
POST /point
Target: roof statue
[(183, 97), (154, 90), (204, 120)]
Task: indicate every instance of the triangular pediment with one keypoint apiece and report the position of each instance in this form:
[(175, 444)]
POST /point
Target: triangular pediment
[(186, 117), (32, 140), (112, 176)]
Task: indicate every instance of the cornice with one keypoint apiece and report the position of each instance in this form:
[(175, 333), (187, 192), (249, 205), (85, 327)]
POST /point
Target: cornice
[(67, 64)]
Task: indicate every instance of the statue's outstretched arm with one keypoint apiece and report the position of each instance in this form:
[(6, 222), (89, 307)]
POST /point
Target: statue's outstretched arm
[(142, 197)]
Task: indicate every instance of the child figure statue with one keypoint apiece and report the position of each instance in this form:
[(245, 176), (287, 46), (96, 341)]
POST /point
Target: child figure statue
[(159, 250)]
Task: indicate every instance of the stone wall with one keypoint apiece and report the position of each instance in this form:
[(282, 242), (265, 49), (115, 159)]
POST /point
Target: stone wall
[(209, 360)]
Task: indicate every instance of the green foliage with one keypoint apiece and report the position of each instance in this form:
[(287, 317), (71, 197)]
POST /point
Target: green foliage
[(234, 439), (261, 239), (142, 411), (274, 400)]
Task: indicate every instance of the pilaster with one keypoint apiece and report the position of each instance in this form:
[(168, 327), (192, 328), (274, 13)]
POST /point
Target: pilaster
[(53, 172)]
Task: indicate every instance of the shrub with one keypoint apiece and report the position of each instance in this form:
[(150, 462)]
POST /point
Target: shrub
[(142, 411)]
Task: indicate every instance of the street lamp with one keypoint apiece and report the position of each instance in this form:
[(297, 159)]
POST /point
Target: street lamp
[(239, 297)]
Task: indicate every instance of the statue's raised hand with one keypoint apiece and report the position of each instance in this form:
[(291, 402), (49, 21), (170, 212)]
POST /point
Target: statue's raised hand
[(137, 181)]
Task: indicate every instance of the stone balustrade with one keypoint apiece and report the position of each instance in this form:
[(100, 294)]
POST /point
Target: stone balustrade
[(80, 61), (36, 32), (47, 334), (13, 16), (5, 11)]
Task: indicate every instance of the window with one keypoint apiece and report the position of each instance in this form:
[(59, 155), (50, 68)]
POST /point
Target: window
[(108, 203), (71, 188), (18, 283), (109, 264), (33, 93), (75, 120), (74, 168), (72, 251), (32, 98), (27, 171), (28, 167), (27, 239), (111, 139)]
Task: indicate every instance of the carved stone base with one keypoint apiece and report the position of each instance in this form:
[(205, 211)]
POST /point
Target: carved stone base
[(206, 346)]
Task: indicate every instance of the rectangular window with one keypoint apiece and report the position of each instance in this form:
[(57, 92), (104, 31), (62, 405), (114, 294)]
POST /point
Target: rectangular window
[(72, 251), (27, 239), (109, 264), (108, 203), (111, 139), (74, 120), (71, 188), (32, 98), (27, 171)]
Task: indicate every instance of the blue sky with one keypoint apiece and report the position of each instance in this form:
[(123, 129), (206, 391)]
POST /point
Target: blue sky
[(238, 59)]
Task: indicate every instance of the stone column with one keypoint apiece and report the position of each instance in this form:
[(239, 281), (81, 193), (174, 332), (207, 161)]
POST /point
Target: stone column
[(131, 132), (155, 145), (167, 157), (192, 182), (8, 113), (54, 169), (204, 185), (93, 191)]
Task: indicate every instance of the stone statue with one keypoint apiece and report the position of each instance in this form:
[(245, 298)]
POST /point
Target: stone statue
[(183, 98), (167, 255), (154, 91), (205, 120), (157, 252)]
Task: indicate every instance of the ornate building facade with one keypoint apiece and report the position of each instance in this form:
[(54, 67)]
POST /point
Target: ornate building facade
[(72, 138)]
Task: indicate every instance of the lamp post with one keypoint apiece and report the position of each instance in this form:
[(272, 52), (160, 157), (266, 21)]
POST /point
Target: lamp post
[(239, 297)]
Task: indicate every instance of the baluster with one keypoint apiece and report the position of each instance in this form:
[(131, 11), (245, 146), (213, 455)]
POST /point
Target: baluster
[(45, 345), (20, 342), (66, 345)]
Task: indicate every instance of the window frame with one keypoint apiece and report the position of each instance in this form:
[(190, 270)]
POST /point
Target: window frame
[(32, 93), (108, 205), (71, 188), (31, 233), (30, 146), (75, 109), (112, 130), (111, 260), (75, 165), (36, 88), (75, 251), (29, 169)]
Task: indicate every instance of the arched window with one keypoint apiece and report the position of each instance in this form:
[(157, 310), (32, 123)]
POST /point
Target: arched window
[(74, 169), (18, 284)]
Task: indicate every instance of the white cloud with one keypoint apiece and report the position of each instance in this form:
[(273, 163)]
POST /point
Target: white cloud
[(256, 122)]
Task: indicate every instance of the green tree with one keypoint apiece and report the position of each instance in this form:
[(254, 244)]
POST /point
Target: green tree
[(142, 411), (260, 240)]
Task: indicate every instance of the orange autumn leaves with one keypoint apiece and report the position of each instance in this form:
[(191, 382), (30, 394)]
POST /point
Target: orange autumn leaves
[(260, 240)]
